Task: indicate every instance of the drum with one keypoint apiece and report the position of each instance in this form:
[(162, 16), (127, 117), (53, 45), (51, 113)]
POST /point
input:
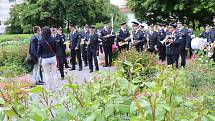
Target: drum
[(197, 43)]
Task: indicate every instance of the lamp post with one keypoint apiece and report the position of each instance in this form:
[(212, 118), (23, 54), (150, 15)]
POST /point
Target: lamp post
[(112, 15)]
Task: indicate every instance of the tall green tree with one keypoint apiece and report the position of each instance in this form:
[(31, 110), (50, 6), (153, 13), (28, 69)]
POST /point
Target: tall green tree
[(197, 12), (57, 12)]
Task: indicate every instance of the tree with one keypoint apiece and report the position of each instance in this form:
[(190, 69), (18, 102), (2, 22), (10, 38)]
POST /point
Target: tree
[(192, 11), (57, 12)]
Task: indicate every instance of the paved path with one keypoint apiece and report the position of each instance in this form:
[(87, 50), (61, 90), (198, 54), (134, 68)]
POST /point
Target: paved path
[(84, 75)]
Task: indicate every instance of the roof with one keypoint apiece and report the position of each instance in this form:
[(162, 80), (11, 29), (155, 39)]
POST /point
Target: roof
[(124, 10)]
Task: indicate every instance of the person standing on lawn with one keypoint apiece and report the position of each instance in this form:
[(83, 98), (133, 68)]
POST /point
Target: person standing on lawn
[(84, 39), (123, 38), (211, 39)]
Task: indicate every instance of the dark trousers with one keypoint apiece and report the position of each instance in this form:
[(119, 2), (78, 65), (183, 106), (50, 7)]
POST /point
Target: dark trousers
[(92, 56), (84, 54), (74, 54), (172, 59), (139, 48), (108, 55), (162, 53), (122, 48), (65, 60), (101, 48), (60, 61), (183, 57)]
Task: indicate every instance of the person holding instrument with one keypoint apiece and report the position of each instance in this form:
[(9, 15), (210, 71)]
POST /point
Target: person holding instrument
[(92, 49), (107, 38)]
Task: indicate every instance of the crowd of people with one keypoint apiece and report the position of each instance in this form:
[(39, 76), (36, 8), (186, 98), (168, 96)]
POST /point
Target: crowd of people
[(48, 46)]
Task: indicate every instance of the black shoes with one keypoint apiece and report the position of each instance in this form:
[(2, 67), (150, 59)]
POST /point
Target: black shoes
[(91, 70), (72, 69), (40, 83), (80, 69)]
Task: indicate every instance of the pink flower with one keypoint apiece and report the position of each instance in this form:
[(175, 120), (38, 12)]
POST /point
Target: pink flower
[(114, 48)]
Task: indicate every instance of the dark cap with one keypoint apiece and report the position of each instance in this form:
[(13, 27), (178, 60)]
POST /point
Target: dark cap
[(172, 25), (92, 27), (160, 24), (123, 23), (72, 25), (135, 23), (86, 26), (180, 22), (141, 25), (150, 24)]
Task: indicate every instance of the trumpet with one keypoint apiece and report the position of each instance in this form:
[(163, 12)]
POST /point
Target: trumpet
[(166, 40)]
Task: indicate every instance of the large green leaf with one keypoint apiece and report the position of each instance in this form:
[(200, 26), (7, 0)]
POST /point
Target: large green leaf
[(37, 89)]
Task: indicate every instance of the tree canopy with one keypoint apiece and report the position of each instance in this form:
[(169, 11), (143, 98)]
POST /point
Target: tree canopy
[(59, 12), (197, 12)]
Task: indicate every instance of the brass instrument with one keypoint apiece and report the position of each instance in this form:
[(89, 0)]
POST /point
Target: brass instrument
[(166, 40), (125, 42)]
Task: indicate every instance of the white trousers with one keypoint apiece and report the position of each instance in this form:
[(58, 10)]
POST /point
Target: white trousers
[(50, 72)]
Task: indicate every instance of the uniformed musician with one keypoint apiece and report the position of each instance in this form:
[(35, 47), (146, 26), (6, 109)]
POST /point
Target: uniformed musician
[(138, 37), (182, 34), (75, 49), (92, 49), (123, 38), (211, 39), (85, 37), (153, 39), (107, 42), (162, 48), (172, 46)]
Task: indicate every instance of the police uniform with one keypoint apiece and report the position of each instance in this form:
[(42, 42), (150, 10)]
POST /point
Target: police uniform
[(75, 40), (60, 47), (153, 40), (122, 35), (85, 37), (107, 43), (139, 40), (172, 51), (63, 36), (162, 48), (185, 42), (211, 38), (92, 49)]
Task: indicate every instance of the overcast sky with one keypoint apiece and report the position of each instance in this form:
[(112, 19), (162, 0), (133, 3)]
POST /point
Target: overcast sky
[(117, 2)]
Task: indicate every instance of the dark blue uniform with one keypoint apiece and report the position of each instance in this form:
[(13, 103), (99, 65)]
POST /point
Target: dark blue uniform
[(122, 35), (85, 37), (204, 35), (92, 49), (60, 48), (185, 42), (139, 40), (211, 39), (153, 41), (75, 40), (107, 43), (162, 48), (172, 51)]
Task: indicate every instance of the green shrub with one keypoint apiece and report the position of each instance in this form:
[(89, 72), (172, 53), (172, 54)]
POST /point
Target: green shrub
[(14, 37), (8, 71)]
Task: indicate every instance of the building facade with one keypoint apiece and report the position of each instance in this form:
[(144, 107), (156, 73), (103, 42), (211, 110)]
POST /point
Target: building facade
[(124, 10), (5, 6)]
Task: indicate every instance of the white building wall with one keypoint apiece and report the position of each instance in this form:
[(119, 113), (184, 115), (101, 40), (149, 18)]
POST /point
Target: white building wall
[(5, 6)]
